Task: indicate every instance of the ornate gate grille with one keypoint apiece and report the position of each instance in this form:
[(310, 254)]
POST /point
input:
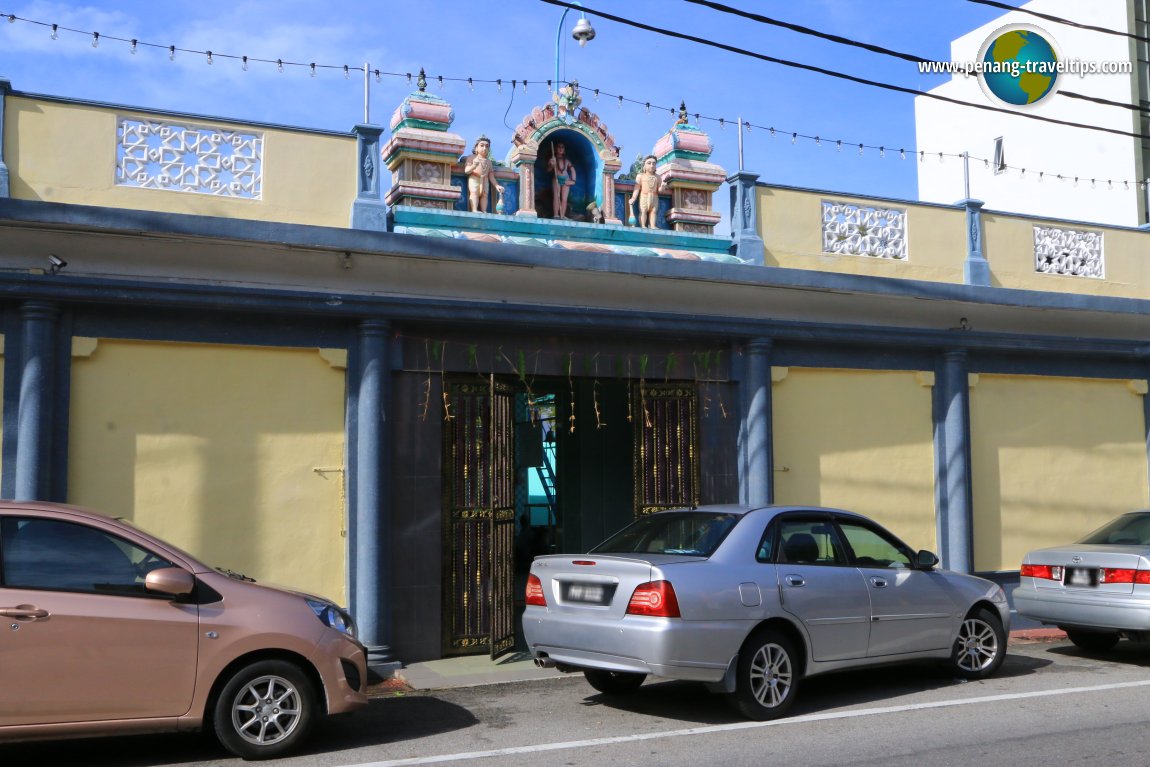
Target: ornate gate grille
[(666, 447)]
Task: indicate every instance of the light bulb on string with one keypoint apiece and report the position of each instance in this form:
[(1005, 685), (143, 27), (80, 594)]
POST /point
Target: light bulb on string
[(620, 102), (171, 53), (794, 137), (818, 141), (498, 83), (409, 78), (648, 107), (1040, 175), (860, 150), (882, 151), (922, 155), (377, 77), (346, 72), (55, 31), (839, 145), (902, 154), (132, 50), (524, 86), (596, 93), (722, 124), (244, 65), (313, 69), (441, 82), (95, 39), (1109, 184), (1092, 184), (470, 85), (209, 58), (11, 18), (280, 65)]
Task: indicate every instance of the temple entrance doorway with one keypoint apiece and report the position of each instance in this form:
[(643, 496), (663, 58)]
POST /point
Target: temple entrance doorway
[(555, 469)]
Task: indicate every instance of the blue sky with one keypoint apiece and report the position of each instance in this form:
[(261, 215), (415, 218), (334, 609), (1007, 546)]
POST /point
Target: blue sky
[(515, 39)]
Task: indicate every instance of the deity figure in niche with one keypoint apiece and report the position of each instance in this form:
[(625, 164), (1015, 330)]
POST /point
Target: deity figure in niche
[(562, 178), (480, 172), (648, 185)]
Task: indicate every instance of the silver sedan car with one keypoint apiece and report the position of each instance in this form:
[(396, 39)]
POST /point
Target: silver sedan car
[(752, 601), (1098, 589)]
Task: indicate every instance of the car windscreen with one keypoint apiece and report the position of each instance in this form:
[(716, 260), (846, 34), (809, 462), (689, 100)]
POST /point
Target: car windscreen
[(690, 533), (1128, 530)]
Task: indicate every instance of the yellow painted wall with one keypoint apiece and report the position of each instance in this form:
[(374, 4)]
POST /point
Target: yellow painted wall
[(67, 153), (858, 440), (790, 223), (1052, 459), (1009, 247), (215, 448)]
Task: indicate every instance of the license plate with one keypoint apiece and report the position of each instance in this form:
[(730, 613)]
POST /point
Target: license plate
[(583, 592), (1080, 576)]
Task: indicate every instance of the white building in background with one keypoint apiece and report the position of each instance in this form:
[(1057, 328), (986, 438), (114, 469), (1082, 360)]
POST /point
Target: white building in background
[(1107, 166)]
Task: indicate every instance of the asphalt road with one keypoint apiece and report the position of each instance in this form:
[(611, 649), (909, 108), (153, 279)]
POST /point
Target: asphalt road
[(1051, 704)]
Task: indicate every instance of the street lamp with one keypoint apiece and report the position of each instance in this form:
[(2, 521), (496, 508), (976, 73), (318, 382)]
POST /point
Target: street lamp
[(583, 32)]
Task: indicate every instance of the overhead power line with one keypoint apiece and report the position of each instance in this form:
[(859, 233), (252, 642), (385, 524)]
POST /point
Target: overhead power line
[(1060, 20), (839, 75), (722, 8)]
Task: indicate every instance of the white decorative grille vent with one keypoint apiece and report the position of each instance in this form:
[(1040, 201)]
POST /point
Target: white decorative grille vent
[(857, 231), (1071, 252), (154, 154)]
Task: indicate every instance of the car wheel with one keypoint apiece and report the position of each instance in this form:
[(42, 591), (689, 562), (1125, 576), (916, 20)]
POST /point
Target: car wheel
[(265, 710), (767, 677), (614, 682), (1094, 641), (980, 646)]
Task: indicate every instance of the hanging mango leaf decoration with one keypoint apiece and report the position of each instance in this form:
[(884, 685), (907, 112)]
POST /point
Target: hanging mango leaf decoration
[(669, 366), (473, 356)]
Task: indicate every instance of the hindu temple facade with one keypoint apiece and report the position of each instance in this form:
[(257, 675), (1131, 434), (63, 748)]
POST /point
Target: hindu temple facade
[(302, 355)]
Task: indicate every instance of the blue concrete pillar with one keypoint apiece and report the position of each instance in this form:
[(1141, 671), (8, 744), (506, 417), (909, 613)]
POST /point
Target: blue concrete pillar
[(953, 469), (5, 89), (759, 476), (745, 217), (369, 211), (372, 598), (976, 269), (38, 321)]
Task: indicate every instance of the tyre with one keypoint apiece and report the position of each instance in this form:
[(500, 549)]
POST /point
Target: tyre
[(767, 678), (613, 682), (980, 646), (265, 710), (1094, 641)]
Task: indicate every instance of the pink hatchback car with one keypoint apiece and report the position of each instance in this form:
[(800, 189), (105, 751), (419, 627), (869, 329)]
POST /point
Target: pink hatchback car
[(108, 631)]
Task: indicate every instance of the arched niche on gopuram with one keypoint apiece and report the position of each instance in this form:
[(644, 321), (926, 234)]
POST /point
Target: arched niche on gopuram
[(589, 147)]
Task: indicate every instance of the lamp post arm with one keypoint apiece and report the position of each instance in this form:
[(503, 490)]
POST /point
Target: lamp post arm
[(558, 32)]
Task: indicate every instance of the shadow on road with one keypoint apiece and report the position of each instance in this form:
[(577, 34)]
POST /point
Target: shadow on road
[(389, 720), (692, 702)]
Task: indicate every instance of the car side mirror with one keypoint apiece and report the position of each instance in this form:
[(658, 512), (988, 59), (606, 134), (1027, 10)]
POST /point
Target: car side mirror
[(926, 560), (171, 581)]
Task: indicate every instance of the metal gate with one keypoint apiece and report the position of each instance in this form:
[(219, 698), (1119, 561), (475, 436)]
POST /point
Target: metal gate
[(479, 510), (666, 447)]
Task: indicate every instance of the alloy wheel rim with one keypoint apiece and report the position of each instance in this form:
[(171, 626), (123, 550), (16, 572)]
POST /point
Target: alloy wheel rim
[(977, 645), (771, 675), (266, 710)]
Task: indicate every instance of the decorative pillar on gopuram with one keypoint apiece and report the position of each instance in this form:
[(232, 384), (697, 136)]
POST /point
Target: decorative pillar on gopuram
[(566, 119), (421, 152), (681, 161)]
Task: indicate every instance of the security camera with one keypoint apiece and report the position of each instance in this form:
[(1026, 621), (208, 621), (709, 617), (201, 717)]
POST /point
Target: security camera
[(57, 263), (583, 31)]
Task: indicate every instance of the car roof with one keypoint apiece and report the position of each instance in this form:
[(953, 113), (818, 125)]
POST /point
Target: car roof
[(776, 508)]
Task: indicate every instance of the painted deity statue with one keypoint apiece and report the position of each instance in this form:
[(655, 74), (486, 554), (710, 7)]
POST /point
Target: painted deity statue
[(562, 179), (480, 173), (648, 185)]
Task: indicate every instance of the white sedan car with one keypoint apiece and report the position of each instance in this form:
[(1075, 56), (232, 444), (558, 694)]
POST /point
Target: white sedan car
[(753, 600), (1098, 589)]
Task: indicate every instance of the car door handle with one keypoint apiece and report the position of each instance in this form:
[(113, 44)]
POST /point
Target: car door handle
[(23, 611), (794, 580), (877, 582)]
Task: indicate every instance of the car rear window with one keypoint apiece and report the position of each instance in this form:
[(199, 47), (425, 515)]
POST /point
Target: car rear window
[(690, 533), (1128, 530)]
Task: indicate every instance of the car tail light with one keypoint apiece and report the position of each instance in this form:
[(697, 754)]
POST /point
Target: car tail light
[(1123, 575), (535, 591), (654, 598), (1040, 571)]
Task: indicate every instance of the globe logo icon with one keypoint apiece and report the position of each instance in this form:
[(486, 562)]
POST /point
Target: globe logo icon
[(1019, 65)]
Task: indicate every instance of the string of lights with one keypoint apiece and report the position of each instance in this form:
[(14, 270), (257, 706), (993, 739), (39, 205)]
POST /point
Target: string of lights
[(860, 148)]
